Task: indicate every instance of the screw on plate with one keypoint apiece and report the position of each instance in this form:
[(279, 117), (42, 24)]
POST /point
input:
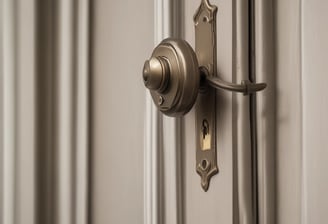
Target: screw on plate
[(160, 100)]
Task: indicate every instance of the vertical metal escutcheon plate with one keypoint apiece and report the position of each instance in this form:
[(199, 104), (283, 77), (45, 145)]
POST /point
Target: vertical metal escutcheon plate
[(205, 47)]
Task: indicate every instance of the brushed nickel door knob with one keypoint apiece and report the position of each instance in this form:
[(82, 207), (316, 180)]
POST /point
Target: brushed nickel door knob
[(156, 74), (172, 76)]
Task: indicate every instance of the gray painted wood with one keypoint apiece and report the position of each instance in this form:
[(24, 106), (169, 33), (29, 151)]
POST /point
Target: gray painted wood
[(266, 113), (314, 76), (122, 38), (288, 111)]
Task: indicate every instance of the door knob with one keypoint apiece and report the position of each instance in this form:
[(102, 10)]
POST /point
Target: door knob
[(179, 77), (173, 75)]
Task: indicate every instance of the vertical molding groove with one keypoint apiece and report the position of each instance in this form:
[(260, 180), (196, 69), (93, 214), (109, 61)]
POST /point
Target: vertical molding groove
[(246, 196), (163, 187), (304, 166), (266, 111), (65, 93), (44, 111), (69, 171), (82, 114), (73, 64)]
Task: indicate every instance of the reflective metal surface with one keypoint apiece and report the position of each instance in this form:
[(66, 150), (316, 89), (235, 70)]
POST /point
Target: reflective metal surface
[(172, 76), (245, 87), (205, 47)]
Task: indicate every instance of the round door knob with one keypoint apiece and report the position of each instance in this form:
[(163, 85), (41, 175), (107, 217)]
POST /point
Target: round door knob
[(172, 76), (156, 74)]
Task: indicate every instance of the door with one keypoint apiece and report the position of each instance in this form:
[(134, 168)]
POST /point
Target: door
[(82, 140)]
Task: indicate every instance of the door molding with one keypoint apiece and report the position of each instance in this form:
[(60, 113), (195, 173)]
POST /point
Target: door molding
[(162, 155), (266, 111), (63, 111), (44, 111), (17, 116)]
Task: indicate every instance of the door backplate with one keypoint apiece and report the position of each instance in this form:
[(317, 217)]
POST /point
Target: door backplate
[(205, 48)]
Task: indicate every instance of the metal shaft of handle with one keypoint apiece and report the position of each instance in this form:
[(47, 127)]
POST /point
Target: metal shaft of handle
[(245, 87)]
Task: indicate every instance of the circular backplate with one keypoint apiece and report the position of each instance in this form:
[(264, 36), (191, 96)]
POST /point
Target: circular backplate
[(182, 89)]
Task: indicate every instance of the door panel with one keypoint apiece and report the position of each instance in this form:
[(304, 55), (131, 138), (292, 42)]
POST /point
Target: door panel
[(122, 37), (291, 118), (314, 111), (288, 109)]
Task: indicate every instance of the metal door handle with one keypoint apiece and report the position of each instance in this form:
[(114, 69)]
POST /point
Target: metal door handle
[(176, 76), (246, 87), (172, 76)]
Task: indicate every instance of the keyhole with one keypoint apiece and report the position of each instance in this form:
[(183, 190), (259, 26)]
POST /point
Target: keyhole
[(204, 163), (205, 128)]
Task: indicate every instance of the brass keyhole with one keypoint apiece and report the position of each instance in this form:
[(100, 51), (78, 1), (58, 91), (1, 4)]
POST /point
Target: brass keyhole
[(206, 141), (205, 128)]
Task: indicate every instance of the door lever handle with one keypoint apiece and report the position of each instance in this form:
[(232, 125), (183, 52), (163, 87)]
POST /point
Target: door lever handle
[(174, 77), (246, 87)]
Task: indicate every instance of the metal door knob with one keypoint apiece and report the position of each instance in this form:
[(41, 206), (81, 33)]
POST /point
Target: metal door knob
[(156, 74), (173, 77)]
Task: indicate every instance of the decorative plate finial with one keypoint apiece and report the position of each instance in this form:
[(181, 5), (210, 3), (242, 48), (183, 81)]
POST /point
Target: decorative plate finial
[(205, 6)]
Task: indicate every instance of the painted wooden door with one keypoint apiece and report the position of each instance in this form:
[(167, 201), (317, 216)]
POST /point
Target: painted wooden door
[(82, 142)]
